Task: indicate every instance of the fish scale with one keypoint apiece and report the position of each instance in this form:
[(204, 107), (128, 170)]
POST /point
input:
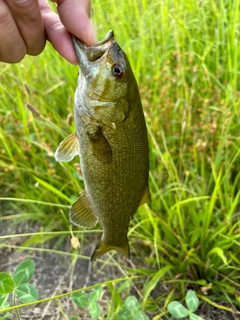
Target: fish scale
[(112, 143)]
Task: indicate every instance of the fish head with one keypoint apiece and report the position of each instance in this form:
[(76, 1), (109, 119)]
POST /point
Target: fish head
[(105, 69)]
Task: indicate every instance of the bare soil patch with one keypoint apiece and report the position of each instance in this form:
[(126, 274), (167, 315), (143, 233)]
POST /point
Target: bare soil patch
[(56, 274)]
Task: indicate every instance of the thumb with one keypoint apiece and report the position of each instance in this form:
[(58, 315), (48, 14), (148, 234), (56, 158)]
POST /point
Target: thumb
[(75, 16)]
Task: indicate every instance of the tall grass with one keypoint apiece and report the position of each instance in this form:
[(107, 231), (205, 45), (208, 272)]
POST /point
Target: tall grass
[(186, 58)]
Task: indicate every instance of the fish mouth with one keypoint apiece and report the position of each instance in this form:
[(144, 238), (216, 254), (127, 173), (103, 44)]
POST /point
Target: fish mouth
[(94, 52), (109, 36)]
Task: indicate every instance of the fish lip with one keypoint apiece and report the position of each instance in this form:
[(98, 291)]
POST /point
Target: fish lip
[(109, 37), (96, 51)]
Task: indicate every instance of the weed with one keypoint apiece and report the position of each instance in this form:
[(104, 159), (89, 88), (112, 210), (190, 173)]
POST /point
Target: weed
[(176, 309), (131, 310), (89, 300), (19, 287)]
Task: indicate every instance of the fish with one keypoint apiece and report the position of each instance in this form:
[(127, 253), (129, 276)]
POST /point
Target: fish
[(112, 142)]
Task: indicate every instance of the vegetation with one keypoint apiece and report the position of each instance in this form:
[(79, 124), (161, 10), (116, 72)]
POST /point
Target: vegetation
[(186, 58), (18, 285), (179, 311)]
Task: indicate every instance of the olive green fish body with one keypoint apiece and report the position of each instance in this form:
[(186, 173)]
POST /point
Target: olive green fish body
[(112, 143), (116, 189)]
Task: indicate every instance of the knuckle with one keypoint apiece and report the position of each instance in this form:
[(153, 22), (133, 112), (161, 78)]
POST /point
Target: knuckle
[(25, 10), (23, 3), (5, 16)]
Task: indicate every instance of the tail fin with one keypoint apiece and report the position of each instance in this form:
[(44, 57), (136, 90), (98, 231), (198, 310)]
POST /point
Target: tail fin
[(103, 248)]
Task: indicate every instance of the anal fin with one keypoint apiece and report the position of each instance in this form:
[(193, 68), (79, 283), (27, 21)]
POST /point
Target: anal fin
[(81, 213), (146, 196), (67, 149)]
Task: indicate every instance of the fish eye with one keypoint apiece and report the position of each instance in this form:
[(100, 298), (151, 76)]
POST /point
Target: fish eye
[(118, 70)]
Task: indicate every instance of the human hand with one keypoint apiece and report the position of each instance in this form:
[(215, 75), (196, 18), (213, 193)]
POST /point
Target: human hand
[(25, 25)]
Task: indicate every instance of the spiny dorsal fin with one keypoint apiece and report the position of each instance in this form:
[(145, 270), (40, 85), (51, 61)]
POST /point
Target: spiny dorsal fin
[(146, 196), (100, 146), (67, 149), (81, 213)]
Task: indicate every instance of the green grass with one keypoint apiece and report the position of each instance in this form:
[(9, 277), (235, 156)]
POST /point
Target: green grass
[(186, 58)]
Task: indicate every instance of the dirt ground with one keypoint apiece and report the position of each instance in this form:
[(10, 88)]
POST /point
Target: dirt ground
[(56, 274)]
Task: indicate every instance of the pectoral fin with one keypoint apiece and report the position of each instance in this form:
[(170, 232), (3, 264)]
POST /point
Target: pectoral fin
[(67, 149), (81, 213), (146, 196), (100, 146)]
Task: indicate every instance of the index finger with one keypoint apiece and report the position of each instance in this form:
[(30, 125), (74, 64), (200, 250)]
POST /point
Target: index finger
[(75, 16), (27, 16)]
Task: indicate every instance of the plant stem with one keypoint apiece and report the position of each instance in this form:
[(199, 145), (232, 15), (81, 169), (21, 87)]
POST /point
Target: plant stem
[(16, 310)]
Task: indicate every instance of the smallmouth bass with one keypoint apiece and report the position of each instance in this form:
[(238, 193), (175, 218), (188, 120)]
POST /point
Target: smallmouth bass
[(111, 139)]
